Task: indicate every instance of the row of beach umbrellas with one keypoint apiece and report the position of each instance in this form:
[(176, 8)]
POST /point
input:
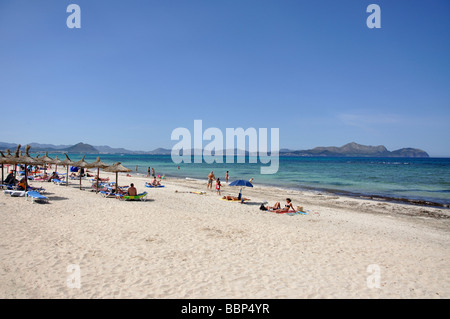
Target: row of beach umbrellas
[(26, 160)]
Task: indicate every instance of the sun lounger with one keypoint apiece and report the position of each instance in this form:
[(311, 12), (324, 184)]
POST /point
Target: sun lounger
[(59, 182), (153, 186), (37, 189), (140, 196), (108, 194), (14, 193), (35, 196)]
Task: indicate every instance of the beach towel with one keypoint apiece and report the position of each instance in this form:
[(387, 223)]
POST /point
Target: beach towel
[(296, 213), (136, 197)]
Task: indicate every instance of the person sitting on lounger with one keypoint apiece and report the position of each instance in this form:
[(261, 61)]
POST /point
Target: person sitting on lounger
[(10, 179), (22, 186), (132, 191), (54, 176), (155, 182)]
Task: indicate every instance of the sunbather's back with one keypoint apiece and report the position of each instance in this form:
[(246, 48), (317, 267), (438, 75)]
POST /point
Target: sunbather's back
[(132, 191)]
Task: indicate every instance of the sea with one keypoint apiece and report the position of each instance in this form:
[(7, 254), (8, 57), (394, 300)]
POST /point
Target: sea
[(424, 181)]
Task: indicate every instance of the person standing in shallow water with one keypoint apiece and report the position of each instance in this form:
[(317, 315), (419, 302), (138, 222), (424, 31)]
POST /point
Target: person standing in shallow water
[(227, 176)]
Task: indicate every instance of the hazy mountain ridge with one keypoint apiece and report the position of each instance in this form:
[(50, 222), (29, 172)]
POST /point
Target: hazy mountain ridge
[(348, 150), (357, 150)]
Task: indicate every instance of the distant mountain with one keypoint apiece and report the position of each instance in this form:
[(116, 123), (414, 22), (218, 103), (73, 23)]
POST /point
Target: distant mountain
[(348, 150), (357, 150), (110, 150), (160, 151), (10, 146), (409, 152), (47, 146), (81, 148)]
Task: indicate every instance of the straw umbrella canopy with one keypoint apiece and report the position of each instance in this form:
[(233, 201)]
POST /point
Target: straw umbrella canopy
[(10, 159), (116, 168), (3, 160), (27, 160), (7, 156), (67, 162), (14, 159), (57, 162), (81, 164), (46, 160), (98, 164)]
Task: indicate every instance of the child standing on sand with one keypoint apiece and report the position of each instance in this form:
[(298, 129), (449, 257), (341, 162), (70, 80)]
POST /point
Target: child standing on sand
[(218, 186)]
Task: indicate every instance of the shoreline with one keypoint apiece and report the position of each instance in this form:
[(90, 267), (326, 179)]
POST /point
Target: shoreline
[(412, 209), (326, 191)]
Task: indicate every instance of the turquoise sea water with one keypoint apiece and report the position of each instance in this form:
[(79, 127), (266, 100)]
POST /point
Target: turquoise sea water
[(423, 179)]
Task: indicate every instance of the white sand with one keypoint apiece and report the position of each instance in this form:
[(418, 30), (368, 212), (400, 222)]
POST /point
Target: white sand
[(183, 245)]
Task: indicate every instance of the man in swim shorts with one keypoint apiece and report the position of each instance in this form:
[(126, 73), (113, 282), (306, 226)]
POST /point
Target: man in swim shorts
[(211, 178)]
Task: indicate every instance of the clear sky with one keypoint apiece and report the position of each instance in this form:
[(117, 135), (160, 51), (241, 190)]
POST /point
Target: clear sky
[(136, 70)]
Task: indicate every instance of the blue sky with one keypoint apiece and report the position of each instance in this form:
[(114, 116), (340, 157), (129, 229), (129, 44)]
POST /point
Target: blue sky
[(136, 70)]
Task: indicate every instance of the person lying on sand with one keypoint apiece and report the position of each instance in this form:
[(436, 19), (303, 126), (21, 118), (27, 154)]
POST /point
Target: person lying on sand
[(278, 209), (229, 197)]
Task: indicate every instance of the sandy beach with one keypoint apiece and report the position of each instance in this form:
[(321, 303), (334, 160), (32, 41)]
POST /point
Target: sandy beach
[(179, 244)]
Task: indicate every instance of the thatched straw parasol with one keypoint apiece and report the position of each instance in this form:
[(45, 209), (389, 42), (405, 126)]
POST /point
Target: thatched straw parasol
[(7, 156), (46, 160), (116, 168), (81, 164), (67, 162), (14, 159), (57, 162), (27, 160), (98, 164), (3, 160)]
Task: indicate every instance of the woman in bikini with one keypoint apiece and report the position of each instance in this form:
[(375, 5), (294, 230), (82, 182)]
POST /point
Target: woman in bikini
[(278, 209)]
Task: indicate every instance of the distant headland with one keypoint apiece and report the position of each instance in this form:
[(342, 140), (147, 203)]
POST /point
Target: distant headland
[(348, 150)]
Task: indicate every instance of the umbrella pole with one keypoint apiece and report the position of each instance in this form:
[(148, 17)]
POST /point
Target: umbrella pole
[(67, 176), (98, 177), (26, 179), (117, 180), (2, 173), (80, 176)]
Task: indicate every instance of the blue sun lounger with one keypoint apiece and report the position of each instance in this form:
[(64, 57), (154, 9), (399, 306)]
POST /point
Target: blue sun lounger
[(14, 193), (35, 196), (59, 182)]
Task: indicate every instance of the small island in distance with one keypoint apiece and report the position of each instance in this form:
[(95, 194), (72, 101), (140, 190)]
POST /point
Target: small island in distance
[(348, 150)]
